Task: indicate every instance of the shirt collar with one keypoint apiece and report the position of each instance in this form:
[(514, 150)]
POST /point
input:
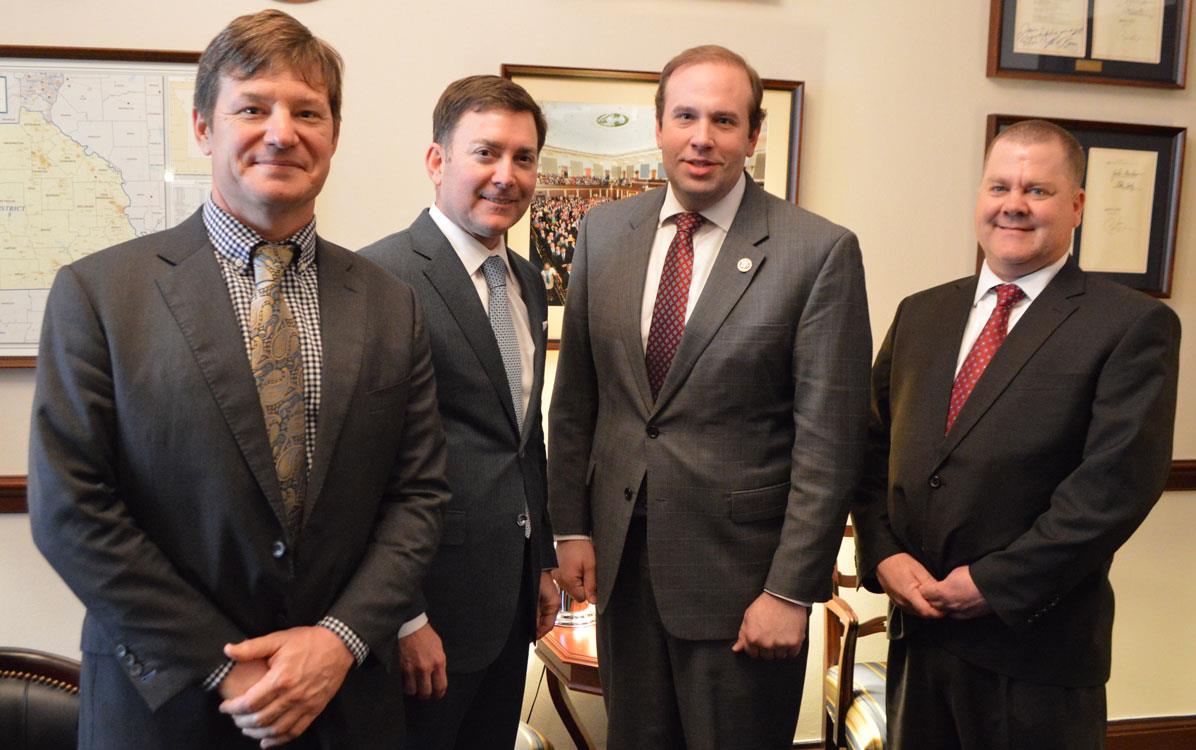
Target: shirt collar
[(471, 252), (721, 214), (235, 241), (1031, 284)]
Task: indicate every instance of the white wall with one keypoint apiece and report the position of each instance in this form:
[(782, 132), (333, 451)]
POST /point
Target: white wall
[(894, 132)]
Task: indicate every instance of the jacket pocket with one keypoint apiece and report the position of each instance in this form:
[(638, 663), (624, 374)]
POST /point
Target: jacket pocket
[(382, 399), (759, 504)]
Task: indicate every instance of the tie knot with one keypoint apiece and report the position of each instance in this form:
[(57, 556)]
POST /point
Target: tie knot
[(1009, 294), (688, 223), (495, 271), (270, 261)]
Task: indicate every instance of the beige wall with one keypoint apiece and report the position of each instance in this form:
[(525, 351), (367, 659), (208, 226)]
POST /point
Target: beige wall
[(894, 129)]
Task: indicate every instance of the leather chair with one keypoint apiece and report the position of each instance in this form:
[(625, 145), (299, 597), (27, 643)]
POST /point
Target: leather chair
[(39, 700), (853, 693)]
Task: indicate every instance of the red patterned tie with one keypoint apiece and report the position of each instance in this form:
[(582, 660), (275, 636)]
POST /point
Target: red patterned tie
[(668, 314), (991, 338)]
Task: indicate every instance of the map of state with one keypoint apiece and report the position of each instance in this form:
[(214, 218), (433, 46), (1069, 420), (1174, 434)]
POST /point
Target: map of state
[(91, 154)]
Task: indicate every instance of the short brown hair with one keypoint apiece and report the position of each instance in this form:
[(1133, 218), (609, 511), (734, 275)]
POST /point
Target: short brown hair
[(713, 53), (481, 94), (1042, 131), (266, 42)]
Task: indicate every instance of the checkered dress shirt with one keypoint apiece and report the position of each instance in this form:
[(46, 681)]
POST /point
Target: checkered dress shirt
[(234, 243)]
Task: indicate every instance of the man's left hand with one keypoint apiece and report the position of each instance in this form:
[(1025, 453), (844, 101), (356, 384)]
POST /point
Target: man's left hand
[(307, 667), (772, 628), (956, 595), (547, 605)]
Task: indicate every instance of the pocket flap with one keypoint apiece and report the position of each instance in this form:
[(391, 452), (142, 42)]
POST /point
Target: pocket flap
[(759, 504)]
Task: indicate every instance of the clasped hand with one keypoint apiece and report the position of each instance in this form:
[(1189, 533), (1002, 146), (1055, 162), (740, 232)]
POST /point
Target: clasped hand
[(282, 681)]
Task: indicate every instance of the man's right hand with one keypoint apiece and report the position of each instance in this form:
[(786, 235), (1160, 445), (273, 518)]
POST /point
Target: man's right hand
[(421, 659), (901, 576), (575, 569)]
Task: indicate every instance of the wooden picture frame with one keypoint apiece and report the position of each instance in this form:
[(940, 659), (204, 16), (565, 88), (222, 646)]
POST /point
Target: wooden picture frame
[(601, 146), (1121, 42), (1131, 242), (106, 137)]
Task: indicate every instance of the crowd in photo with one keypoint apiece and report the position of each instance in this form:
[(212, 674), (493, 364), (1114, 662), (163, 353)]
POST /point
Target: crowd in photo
[(554, 235)]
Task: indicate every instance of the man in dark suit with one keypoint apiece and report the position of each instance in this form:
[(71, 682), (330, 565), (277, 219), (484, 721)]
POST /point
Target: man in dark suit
[(707, 427), (489, 592), (236, 460), (1022, 425)]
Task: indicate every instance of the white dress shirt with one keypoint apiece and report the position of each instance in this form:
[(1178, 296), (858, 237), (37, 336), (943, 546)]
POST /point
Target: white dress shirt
[(985, 301), (708, 240)]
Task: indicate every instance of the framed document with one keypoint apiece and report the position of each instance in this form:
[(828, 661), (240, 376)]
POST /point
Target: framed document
[(95, 149), (1132, 199), (1127, 42), (601, 146)]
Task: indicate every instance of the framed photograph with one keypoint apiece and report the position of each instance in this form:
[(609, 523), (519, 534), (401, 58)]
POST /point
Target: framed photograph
[(601, 146), (95, 149), (1125, 42), (1131, 207)]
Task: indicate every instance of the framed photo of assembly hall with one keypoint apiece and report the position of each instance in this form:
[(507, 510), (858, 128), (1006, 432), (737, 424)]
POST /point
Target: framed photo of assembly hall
[(95, 149), (601, 146), (1131, 209), (1124, 42)]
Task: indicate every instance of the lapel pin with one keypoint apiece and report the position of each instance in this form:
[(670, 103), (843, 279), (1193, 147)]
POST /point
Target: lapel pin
[(744, 265)]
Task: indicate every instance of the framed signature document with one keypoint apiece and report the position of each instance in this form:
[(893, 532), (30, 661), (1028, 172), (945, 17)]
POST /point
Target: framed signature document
[(1126, 42), (1132, 199)]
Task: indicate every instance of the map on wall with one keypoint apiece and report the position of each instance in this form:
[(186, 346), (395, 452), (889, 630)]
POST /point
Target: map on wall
[(91, 154)]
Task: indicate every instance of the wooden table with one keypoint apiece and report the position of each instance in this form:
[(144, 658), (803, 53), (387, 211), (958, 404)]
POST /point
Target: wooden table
[(571, 655)]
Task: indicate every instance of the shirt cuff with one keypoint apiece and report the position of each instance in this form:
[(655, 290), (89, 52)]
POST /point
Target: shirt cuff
[(787, 599), (570, 537), (352, 641), (217, 676), (414, 624)]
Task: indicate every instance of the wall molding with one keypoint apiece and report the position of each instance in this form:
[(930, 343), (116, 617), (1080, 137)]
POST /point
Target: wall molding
[(12, 487), (12, 494), (1160, 733)]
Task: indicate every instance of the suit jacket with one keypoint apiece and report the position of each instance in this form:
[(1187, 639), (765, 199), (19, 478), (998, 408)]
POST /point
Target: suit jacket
[(471, 593), (1057, 456), (755, 442), (152, 488)]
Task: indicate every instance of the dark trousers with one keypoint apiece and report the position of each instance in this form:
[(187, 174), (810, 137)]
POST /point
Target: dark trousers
[(937, 701), (480, 710), (663, 693)]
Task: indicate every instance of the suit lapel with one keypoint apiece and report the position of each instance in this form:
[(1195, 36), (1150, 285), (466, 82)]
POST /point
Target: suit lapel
[(529, 283), (939, 357), (723, 288), (629, 280), (195, 291), (343, 323), (448, 277), (1045, 314)]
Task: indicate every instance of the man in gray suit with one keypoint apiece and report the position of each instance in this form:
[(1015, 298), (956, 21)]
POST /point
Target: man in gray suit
[(707, 427), (489, 592), (236, 460)]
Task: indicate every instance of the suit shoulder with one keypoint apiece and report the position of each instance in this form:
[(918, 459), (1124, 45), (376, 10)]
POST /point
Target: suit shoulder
[(624, 209), (391, 252), (784, 213), (1114, 296)]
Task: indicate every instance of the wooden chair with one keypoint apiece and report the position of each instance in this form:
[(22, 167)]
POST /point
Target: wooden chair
[(853, 693), (39, 700)]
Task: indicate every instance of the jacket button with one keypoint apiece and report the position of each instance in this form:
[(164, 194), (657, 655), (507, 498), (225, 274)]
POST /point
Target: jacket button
[(135, 670), (936, 482), (129, 660), (121, 651), (628, 495), (652, 431), (522, 520), (278, 550)]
